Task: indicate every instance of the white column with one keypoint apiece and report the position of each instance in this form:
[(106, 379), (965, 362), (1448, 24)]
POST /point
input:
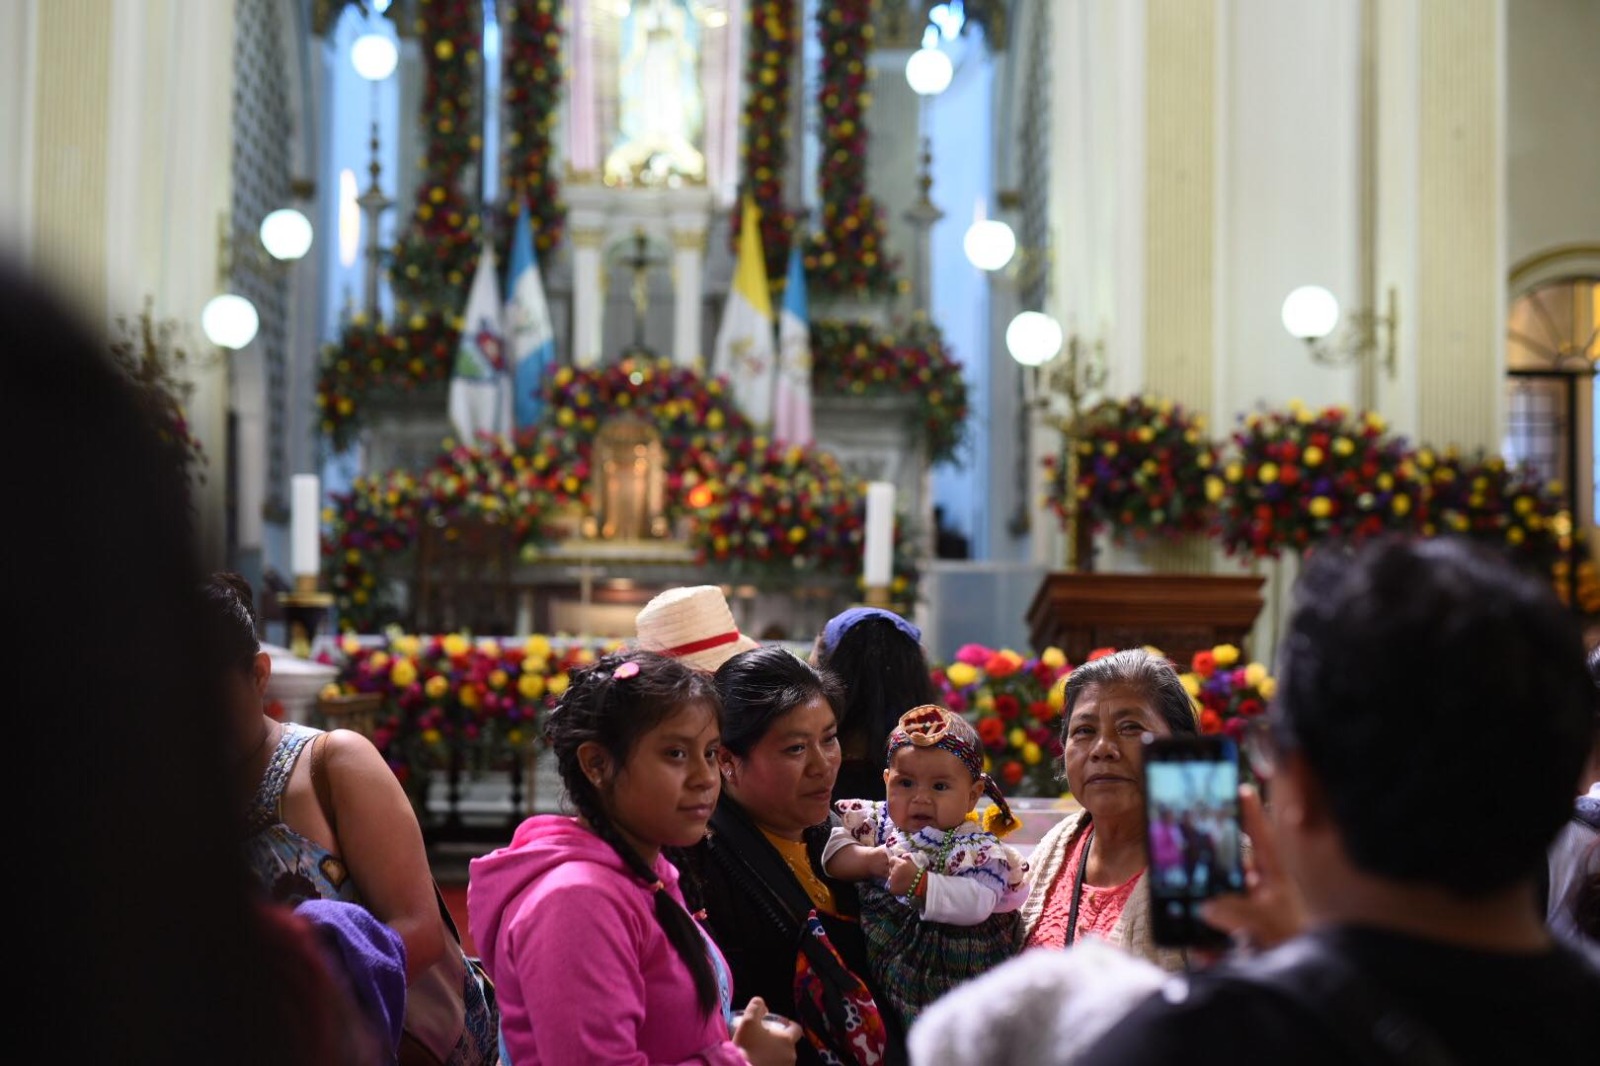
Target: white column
[(588, 298), (688, 268)]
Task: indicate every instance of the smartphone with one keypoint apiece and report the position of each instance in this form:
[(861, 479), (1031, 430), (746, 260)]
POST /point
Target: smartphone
[(1191, 802)]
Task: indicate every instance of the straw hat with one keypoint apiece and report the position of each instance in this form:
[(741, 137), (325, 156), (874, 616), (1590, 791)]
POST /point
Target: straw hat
[(693, 624)]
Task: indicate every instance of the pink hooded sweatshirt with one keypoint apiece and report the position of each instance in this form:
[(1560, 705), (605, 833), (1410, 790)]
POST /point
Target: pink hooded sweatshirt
[(583, 971)]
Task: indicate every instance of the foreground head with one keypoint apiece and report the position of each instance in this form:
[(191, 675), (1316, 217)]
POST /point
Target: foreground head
[(780, 742), (878, 655), (1110, 704), (694, 624), (635, 740), (935, 773), (1415, 674)]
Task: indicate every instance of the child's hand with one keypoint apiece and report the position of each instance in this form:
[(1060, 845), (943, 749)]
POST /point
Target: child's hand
[(880, 862), (902, 873)]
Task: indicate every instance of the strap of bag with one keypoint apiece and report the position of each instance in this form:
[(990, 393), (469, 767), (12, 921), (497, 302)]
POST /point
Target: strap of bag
[(1373, 1026), (749, 849)]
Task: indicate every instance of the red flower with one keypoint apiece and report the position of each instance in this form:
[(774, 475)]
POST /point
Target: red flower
[(1205, 664), (1210, 721), (1006, 706), (992, 732), (1011, 773), (1101, 653)]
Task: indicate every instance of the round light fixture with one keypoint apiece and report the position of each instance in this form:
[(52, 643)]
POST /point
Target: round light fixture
[(929, 72), (286, 234), (989, 244), (374, 56), (1033, 338), (230, 321), (1310, 312)]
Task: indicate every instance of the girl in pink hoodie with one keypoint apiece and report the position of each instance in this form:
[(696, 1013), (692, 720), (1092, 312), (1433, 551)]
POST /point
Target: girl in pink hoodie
[(580, 921)]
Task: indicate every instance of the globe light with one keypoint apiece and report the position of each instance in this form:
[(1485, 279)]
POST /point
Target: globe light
[(929, 71), (1033, 338), (286, 234), (1310, 312), (230, 321), (374, 56), (989, 244)]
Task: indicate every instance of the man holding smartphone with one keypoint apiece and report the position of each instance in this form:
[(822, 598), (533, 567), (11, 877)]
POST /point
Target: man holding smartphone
[(1432, 712)]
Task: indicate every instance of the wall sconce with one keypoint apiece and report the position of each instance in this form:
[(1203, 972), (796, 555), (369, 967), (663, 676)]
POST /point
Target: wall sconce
[(1311, 313), (929, 70), (229, 319), (991, 246)]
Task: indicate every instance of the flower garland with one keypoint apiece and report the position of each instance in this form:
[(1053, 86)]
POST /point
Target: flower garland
[(848, 254), (1298, 477), (532, 97), (372, 358), (1483, 499), (1143, 468), (1015, 705), (853, 359), (764, 149), (433, 258)]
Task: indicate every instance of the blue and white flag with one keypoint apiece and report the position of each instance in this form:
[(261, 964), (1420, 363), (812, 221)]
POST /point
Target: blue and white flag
[(530, 337), (480, 393), (791, 400)]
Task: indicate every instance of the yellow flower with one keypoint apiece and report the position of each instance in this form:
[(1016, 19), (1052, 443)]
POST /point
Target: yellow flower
[(530, 686), (962, 674), (379, 661), (1191, 683), (407, 646), (1401, 505), (1254, 674), (350, 644), (1225, 654), (1053, 657), (1017, 737), (557, 684), (455, 645), (470, 697), (1058, 695), (1154, 652), (1343, 446), (1312, 456), (403, 673), (330, 691), (1268, 473), (498, 679), (437, 687), (431, 736), (1375, 420), (1214, 489), (1233, 471), (489, 648), (514, 736), (985, 702), (1268, 688), (1031, 753), (1320, 507)]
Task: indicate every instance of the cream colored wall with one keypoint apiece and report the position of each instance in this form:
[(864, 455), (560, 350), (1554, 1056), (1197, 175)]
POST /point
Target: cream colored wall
[(117, 167)]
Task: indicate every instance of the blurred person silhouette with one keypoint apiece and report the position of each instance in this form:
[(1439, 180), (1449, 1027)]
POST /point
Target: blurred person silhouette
[(879, 657), (1569, 886), (147, 933)]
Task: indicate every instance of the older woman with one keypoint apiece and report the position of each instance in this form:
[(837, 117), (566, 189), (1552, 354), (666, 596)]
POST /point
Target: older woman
[(758, 874), (1089, 871)]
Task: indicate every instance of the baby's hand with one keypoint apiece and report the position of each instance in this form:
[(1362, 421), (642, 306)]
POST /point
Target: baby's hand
[(904, 871)]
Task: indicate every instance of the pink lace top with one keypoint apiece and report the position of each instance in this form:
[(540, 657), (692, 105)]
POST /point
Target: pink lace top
[(1098, 911)]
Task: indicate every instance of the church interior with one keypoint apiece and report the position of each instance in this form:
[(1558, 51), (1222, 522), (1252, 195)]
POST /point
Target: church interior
[(1051, 324)]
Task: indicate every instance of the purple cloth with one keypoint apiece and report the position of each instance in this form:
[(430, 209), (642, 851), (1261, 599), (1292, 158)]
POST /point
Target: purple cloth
[(372, 958), (840, 624)]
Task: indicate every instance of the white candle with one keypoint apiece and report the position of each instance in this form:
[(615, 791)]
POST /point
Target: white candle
[(305, 518), (877, 562)]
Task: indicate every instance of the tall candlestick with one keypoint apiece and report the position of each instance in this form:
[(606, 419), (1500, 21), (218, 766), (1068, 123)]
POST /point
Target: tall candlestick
[(305, 516), (877, 563)]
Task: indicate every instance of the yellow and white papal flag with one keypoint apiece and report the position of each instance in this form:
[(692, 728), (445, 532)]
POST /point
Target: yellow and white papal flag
[(746, 351)]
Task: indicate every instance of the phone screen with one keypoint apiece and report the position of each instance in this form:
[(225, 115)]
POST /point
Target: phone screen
[(1192, 829)]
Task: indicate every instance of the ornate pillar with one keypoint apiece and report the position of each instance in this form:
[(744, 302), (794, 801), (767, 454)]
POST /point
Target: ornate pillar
[(588, 296), (688, 268)]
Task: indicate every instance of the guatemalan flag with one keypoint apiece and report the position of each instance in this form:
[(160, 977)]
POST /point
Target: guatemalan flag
[(791, 399), (530, 338), (480, 394)]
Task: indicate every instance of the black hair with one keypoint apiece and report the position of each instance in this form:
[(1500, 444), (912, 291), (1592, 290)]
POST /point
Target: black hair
[(1410, 672), (229, 604), (763, 684), (1151, 674), (885, 673), (600, 708)]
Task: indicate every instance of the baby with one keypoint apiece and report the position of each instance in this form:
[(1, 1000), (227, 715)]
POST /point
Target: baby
[(939, 891)]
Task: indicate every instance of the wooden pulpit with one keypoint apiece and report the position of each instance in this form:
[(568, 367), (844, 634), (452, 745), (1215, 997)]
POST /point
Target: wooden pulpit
[(1178, 613)]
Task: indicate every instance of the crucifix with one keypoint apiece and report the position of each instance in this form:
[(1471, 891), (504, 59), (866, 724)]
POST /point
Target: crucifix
[(640, 261)]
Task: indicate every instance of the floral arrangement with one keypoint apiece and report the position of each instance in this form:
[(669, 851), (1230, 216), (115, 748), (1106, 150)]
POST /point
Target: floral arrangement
[(1227, 694), (433, 258), (483, 698), (848, 254), (147, 353), (692, 414), (372, 358), (1481, 498), (764, 150), (532, 94), (853, 359), (1296, 477), (1143, 469), (1015, 705)]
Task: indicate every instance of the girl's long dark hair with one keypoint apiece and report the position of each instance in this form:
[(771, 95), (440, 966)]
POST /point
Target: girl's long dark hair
[(885, 673), (614, 713)]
